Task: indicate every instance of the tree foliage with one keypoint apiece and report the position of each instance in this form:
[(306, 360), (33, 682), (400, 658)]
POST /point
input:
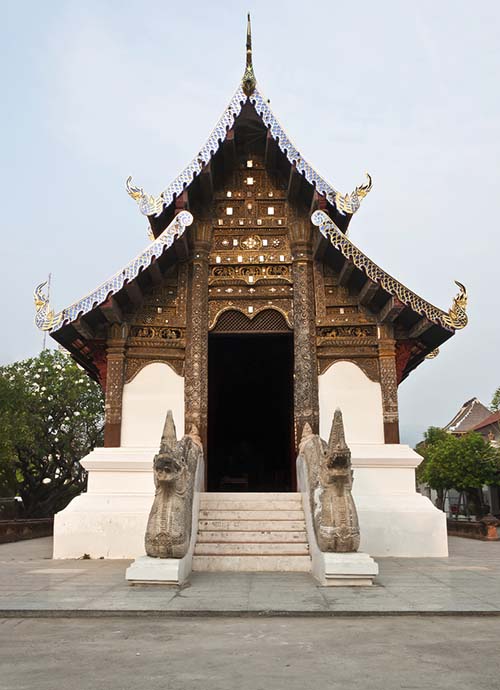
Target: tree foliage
[(495, 401), (431, 437), (464, 463), (51, 415)]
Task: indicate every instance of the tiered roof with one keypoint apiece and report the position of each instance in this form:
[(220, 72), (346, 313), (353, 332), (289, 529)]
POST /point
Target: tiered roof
[(249, 117)]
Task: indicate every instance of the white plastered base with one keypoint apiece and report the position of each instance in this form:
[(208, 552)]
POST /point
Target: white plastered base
[(394, 519), (109, 520)]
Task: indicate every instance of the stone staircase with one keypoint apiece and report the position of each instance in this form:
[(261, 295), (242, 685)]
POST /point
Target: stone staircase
[(251, 532)]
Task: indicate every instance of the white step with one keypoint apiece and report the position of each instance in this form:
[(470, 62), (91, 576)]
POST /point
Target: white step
[(250, 505), (209, 514), (251, 532), (251, 525), (251, 496), (246, 501), (252, 563), (224, 537), (251, 549)]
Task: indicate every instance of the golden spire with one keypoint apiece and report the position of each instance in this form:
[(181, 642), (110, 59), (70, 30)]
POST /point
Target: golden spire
[(249, 82)]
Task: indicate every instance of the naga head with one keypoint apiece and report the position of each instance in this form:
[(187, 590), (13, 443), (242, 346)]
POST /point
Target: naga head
[(45, 318), (460, 300), (40, 298), (363, 189), (350, 203), (168, 464), (132, 190), (457, 316), (337, 456)]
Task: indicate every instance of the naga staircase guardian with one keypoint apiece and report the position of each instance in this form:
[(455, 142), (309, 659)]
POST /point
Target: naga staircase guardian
[(330, 475), (325, 479), (171, 527)]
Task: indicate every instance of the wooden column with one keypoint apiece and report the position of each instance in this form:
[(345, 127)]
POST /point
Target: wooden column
[(115, 355), (389, 385), (196, 367), (306, 402)]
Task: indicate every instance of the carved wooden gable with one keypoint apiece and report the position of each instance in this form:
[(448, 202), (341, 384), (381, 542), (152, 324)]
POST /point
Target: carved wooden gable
[(250, 257)]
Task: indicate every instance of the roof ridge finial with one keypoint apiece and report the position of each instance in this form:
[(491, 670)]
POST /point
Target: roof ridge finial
[(249, 82)]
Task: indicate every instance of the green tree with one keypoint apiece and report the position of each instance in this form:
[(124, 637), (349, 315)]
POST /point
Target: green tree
[(432, 436), (495, 401), (477, 465), (51, 415), (440, 453), (465, 463)]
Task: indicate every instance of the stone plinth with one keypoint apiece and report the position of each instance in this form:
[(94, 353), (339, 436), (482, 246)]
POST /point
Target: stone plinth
[(156, 571), (348, 569)]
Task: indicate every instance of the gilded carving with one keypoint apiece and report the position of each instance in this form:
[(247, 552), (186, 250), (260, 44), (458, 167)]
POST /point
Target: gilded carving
[(347, 332), (433, 354), (148, 204), (45, 318), (350, 203), (114, 387), (159, 306), (248, 81), (306, 404), (115, 366), (163, 333), (457, 316), (182, 278), (319, 289), (389, 385), (250, 308), (133, 365), (250, 274), (369, 365), (223, 243), (196, 370)]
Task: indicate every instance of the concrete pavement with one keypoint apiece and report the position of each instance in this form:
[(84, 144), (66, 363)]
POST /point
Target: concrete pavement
[(31, 584), (250, 654)]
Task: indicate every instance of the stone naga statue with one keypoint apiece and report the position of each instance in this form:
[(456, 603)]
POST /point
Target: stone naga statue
[(168, 531), (330, 482)]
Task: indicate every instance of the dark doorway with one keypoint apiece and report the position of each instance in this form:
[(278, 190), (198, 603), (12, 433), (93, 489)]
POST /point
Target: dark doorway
[(250, 412)]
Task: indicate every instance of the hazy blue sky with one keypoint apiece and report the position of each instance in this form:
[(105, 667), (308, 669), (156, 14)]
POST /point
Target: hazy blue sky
[(94, 91)]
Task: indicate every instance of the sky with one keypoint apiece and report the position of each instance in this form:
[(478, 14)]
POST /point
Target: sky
[(95, 91)]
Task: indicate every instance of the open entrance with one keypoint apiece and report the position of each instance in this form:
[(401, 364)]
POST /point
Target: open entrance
[(250, 412)]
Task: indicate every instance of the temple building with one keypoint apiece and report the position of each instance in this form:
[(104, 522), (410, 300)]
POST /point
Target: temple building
[(470, 415), (249, 314), (473, 416)]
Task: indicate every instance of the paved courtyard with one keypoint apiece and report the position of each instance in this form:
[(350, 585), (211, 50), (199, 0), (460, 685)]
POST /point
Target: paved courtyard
[(381, 653), (31, 584)]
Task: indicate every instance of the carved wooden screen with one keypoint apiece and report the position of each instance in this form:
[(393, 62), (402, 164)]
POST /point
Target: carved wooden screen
[(268, 321)]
